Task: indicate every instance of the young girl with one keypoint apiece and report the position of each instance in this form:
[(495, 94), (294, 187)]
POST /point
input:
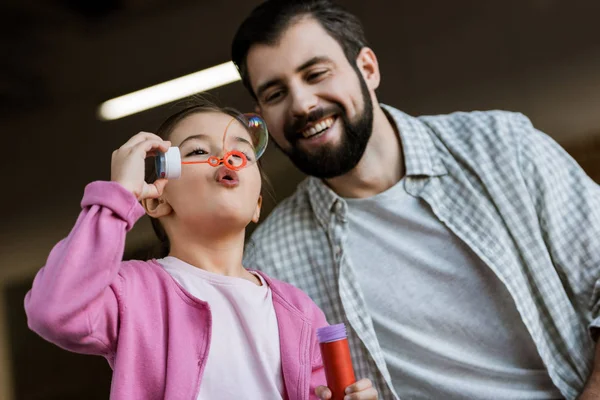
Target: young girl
[(195, 324)]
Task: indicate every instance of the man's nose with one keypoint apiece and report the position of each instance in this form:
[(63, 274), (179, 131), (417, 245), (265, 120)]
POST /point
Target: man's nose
[(303, 101)]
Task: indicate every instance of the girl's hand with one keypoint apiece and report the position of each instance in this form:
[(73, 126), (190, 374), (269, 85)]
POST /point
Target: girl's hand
[(127, 166), (361, 390)]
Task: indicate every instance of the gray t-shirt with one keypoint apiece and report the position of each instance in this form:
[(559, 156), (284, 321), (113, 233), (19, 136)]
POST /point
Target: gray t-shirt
[(447, 325)]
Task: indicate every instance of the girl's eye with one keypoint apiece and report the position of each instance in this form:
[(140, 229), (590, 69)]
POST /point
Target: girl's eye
[(239, 157), (198, 152), (248, 156)]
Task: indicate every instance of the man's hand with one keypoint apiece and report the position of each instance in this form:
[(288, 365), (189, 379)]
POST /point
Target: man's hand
[(591, 391), (361, 390)]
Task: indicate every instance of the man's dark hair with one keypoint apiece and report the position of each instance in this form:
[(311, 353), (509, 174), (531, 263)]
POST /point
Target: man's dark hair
[(268, 22)]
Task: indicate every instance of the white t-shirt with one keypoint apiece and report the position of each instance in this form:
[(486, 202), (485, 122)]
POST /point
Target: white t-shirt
[(447, 325), (244, 360)]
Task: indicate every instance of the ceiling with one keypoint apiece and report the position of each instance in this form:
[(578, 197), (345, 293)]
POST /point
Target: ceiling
[(61, 59)]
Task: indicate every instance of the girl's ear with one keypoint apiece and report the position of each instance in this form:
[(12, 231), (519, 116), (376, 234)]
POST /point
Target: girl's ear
[(157, 208), (256, 215)]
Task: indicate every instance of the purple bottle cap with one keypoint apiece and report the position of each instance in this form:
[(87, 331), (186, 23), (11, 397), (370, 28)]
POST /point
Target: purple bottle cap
[(331, 333)]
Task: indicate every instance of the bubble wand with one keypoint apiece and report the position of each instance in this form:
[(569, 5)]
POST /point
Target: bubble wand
[(168, 164)]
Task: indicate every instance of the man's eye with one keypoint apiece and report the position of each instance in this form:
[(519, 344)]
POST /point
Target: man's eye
[(273, 96), (315, 75)]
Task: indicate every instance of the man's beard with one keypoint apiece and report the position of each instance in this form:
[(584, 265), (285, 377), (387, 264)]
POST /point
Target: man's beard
[(329, 161)]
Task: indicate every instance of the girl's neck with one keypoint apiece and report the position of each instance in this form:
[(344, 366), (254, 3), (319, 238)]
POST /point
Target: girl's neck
[(218, 253)]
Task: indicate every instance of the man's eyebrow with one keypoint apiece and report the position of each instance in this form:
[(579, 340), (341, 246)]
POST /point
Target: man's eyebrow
[(313, 61), (273, 82)]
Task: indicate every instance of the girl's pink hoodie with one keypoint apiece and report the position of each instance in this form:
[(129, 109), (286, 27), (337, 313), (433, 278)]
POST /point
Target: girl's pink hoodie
[(154, 334)]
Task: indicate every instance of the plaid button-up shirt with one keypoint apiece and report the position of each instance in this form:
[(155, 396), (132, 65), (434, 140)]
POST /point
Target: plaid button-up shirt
[(515, 197)]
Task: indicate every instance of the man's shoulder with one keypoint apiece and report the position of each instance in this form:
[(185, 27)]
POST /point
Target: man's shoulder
[(479, 136), (463, 124)]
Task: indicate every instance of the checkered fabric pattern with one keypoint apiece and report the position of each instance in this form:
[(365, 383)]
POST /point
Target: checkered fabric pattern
[(513, 195)]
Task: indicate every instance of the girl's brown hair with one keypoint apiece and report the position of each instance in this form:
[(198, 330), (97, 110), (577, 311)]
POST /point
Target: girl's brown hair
[(193, 105)]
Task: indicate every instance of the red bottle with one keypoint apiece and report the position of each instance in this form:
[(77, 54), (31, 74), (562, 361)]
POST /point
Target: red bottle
[(336, 359)]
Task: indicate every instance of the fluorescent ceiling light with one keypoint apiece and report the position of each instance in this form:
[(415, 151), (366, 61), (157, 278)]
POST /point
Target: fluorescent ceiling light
[(169, 91)]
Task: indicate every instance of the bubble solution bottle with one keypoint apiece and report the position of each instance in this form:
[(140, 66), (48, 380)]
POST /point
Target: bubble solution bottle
[(335, 353)]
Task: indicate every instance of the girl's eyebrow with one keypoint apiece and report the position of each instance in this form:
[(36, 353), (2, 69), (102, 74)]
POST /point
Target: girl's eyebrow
[(198, 136), (205, 136), (243, 140)]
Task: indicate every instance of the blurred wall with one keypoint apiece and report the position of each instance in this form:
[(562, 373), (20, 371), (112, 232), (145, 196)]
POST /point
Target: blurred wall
[(62, 58)]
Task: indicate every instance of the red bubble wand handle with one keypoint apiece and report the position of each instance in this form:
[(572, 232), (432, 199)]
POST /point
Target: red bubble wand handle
[(335, 353)]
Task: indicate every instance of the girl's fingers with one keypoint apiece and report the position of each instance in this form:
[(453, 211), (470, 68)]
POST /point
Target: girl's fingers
[(323, 392), (149, 146), (361, 390), (359, 385), (140, 137), (153, 190), (367, 394)]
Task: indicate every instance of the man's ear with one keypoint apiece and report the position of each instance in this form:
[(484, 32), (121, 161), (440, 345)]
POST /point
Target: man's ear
[(157, 208), (256, 215), (369, 67)]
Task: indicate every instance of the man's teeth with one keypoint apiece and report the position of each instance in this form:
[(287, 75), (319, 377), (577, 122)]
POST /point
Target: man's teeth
[(318, 127)]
